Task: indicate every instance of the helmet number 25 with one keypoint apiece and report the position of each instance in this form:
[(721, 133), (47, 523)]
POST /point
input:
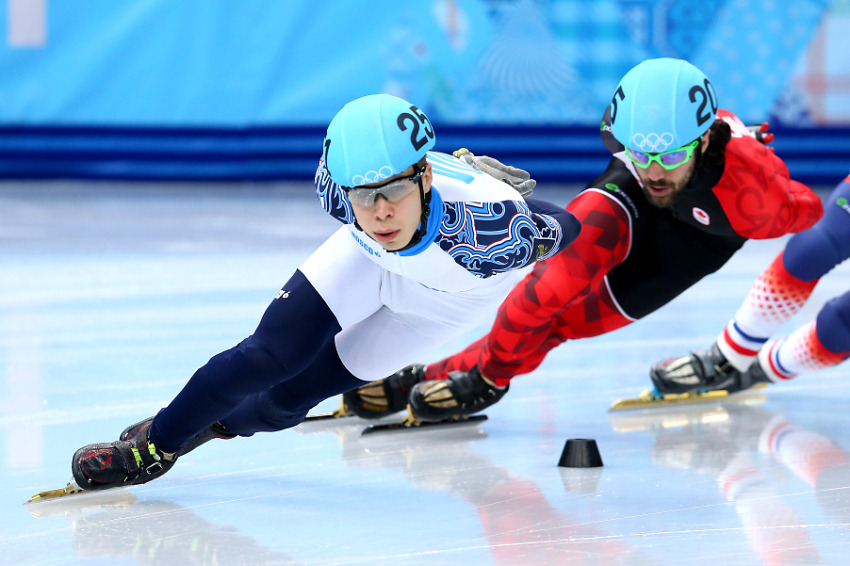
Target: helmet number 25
[(417, 119), (705, 93)]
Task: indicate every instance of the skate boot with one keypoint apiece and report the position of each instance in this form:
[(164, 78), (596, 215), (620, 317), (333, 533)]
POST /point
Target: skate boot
[(215, 430), (131, 461), (463, 393), (704, 370), (384, 396)]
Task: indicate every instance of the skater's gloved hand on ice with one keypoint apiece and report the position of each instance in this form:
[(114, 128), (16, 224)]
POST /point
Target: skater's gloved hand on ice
[(761, 133), (518, 178)]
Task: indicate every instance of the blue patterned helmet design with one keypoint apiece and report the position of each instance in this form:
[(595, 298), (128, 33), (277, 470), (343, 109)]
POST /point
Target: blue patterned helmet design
[(374, 138), (662, 104)]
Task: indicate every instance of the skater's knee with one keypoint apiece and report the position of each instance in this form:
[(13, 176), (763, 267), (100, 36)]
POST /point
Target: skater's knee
[(833, 324), (811, 254), (279, 414)]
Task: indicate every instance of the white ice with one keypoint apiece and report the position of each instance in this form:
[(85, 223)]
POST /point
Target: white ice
[(112, 294)]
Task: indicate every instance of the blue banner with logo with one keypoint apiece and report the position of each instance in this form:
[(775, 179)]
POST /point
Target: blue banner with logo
[(126, 78)]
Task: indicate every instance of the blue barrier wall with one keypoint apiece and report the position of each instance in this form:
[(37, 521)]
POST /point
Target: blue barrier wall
[(815, 156)]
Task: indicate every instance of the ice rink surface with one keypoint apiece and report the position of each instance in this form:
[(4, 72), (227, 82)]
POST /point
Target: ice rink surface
[(112, 294)]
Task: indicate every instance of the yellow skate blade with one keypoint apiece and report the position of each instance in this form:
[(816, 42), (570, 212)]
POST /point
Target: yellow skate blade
[(343, 409), (339, 413), (411, 420), (650, 398), (51, 494)]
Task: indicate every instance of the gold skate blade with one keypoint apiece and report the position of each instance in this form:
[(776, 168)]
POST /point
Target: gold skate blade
[(339, 413), (650, 398), (51, 494), (410, 419)]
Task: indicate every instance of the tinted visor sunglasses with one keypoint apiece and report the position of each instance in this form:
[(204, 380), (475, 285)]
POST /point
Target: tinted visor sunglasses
[(667, 159)]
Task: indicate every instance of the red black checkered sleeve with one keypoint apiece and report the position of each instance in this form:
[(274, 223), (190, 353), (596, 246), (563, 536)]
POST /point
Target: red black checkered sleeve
[(527, 324)]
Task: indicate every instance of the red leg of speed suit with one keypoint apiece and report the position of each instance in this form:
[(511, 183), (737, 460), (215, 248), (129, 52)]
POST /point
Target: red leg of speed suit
[(563, 298)]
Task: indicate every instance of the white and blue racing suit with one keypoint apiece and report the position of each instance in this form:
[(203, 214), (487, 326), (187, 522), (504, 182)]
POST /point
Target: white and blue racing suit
[(354, 312)]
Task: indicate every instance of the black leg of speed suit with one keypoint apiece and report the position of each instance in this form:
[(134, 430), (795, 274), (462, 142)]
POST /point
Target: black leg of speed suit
[(296, 331)]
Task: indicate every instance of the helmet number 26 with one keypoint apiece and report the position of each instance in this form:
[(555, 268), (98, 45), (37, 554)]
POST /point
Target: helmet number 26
[(417, 119), (706, 96)]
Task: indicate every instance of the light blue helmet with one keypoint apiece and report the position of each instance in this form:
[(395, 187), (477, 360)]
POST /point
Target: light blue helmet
[(374, 138), (662, 104)]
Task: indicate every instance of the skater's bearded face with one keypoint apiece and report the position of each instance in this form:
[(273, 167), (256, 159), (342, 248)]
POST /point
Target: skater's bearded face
[(662, 185), (393, 216)]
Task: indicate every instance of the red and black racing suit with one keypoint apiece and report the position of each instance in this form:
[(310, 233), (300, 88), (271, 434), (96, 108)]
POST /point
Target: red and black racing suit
[(632, 257)]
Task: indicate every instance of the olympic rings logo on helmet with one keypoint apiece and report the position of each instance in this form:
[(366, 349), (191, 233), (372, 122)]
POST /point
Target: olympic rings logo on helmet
[(652, 143), (373, 176)]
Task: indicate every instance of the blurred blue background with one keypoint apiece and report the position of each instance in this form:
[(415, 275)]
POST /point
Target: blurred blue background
[(224, 89)]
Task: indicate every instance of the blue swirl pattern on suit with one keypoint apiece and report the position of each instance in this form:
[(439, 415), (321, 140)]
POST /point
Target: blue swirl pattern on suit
[(489, 238)]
